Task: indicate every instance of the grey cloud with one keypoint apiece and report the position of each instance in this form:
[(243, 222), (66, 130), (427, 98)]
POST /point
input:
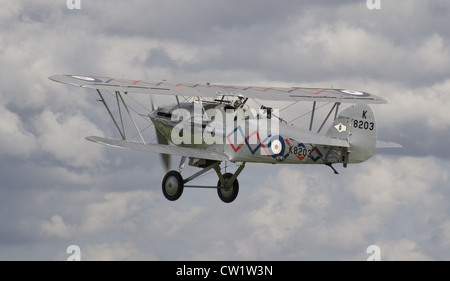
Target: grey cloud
[(320, 217)]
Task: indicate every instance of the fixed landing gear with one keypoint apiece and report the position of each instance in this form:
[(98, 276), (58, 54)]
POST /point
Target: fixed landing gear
[(172, 185), (227, 187), (228, 193)]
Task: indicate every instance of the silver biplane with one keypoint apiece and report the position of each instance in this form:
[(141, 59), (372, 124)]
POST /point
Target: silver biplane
[(215, 124)]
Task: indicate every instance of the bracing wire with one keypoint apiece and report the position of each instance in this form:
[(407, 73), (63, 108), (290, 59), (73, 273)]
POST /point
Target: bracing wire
[(307, 113)]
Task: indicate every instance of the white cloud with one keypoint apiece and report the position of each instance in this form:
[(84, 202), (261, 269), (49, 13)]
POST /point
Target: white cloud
[(445, 235), (403, 250), (15, 139), (396, 203), (113, 252), (56, 227), (281, 199), (116, 211), (343, 50), (418, 106), (62, 136), (298, 212)]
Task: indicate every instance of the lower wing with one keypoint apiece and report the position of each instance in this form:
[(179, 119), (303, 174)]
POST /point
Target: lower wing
[(162, 148)]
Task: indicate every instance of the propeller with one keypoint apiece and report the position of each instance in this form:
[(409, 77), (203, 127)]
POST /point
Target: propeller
[(165, 158)]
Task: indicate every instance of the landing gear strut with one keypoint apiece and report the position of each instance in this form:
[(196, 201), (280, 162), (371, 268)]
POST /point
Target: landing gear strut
[(331, 166), (227, 187)]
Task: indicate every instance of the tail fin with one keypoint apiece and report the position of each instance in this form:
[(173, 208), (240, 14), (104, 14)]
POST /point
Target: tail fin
[(357, 125)]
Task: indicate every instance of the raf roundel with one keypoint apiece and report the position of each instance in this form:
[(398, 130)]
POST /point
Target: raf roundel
[(354, 93), (276, 147), (85, 78)]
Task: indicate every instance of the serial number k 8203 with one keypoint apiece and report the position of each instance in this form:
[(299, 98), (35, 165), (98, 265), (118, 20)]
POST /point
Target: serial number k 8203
[(300, 151)]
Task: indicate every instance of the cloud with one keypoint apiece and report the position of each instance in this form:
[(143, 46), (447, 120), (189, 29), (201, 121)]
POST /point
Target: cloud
[(112, 252), (396, 203), (15, 139), (59, 135), (416, 118), (57, 227), (117, 210), (298, 213), (404, 250)]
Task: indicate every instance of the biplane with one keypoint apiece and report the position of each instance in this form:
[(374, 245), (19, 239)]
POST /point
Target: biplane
[(215, 124)]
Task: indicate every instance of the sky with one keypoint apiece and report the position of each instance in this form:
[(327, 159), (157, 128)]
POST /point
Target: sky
[(57, 189)]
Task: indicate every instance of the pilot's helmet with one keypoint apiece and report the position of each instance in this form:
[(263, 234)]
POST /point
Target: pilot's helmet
[(237, 104)]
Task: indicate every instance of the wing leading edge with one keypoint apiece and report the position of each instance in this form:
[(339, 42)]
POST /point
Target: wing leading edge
[(210, 90)]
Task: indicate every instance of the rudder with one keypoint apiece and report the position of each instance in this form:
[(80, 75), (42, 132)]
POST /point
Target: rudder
[(357, 125)]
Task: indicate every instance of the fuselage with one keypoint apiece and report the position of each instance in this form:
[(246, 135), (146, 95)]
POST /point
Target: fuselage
[(241, 133)]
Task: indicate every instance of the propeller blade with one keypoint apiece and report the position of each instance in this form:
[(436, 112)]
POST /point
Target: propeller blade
[(151, 103), (165, 158)]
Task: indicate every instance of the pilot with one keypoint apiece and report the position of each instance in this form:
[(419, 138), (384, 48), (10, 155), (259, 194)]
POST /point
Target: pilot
[(237, 104), (241, 113)]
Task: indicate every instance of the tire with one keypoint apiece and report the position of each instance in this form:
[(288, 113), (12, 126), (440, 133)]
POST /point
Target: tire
[(172, 185), (228, 195)]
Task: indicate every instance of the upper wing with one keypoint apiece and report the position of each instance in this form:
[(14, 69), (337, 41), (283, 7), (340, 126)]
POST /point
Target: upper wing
[(162, 148), (209, 90)]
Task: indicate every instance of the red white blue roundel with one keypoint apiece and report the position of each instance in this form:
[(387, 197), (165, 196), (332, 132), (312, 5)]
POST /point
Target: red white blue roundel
[(85, 78), (276, 146), (354, 93)]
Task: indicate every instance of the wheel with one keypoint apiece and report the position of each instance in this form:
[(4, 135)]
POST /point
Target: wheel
[(228, 195), (172, 185)]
